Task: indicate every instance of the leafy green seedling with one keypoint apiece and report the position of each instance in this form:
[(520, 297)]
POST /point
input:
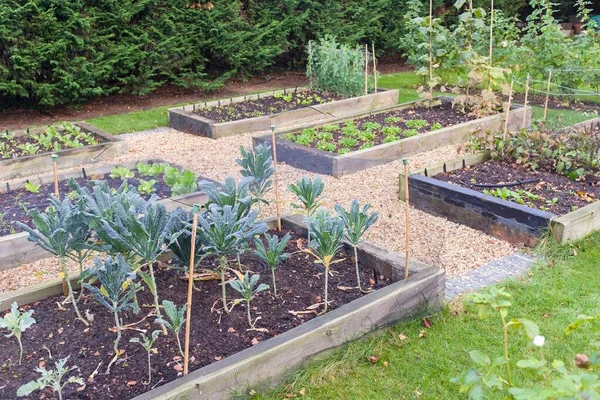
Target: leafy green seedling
[(326, 146), (185, 183), (309, 194), (171, 175), (121, 173), (146, 187), (157, 169), (28, 149), (147, 343), (327, 231), (51, 379), (175, 319), (116, 292), (230, 193), (273, 254), (17, 322), (245, 286), (257, 165), (32, 187), (415, 123), (144, 169), (356, 222)]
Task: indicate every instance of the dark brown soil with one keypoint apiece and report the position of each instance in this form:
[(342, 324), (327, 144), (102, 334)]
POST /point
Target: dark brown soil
[(569, 194), (442, 116), (213, 336), (266, 106), (14, 205)]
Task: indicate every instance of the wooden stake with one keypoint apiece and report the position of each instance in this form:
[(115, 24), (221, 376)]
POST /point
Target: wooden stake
[(430, 47), (276, 178), (366, 69), (186, 353), (525, 102), (54, 157), (406, 200), (491, 44), (512, 85), (547, 93), (374, 66)]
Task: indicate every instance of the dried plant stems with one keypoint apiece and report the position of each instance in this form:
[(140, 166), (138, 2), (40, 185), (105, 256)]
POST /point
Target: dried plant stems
[(188, 319), (55, 171)]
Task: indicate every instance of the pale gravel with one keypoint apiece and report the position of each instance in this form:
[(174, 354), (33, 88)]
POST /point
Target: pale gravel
[(433, 240)]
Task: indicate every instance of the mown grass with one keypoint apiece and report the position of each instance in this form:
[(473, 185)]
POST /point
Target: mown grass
[(415, 367), (135, 121)]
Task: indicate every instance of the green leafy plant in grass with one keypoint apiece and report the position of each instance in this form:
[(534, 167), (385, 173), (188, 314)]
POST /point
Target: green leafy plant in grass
[(356, 222), (58, 231), (51, 379), (415, 123), (273, 254), (147, 344), (144, 169), (224, 231), (116, 292), (245, 286), (146, 187), (327, 232), (326, 146), (309, 194), (17, 322), (175, 319), (32, 187), (258, 165), (348, 142), (121, 173)]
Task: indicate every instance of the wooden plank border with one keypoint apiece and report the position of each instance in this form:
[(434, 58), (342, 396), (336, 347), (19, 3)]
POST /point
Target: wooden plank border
[(109, 147), (185, 120), (326, 163)]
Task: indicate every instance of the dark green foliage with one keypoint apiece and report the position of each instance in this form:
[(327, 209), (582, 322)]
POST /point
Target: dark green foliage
[(64, 52), (229, 194), (258, 165)]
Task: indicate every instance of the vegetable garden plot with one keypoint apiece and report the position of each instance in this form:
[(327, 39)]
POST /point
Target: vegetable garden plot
[(343, 147), (283, 109), (226, 354), (26, 153), (542, 181), (175, 187)]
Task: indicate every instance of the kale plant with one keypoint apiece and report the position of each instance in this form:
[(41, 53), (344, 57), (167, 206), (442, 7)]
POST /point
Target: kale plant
[(229, 194), (245, 286), (356, 222), (309, 193), (147, 343), (258, 165), (17, 322), (50, 379), (176, 319), (116, 292), (273, 254)]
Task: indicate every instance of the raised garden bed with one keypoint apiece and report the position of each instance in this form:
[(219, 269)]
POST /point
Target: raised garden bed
[(382, 137), (521, 205), (226, 356), (16, 200), (27, 152), (228, 117)]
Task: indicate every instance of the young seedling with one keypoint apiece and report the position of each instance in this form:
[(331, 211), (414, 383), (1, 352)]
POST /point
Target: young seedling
[(32, 187), (327, 231), (224, 232), (356, 222), (258, 165), (51, 379), (245, 286), (116, 292), (147, 343), (308, 192), (273, 254), (146, 186), (176, 319), (17, 322), (122, 173)]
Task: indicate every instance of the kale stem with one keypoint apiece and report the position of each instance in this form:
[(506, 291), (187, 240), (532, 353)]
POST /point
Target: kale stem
[(70, 288)]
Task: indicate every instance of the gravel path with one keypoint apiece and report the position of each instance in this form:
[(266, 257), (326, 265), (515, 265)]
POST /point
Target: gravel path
[(433, 240)]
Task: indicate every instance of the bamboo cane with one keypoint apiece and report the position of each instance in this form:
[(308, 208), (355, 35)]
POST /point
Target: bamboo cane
[(276, 178), (430, 47), (406, 207), (366, 69), (525, 102), (186, 353), (374, 67), (547, 93), (491, 44), (510, 94), (54, 157)]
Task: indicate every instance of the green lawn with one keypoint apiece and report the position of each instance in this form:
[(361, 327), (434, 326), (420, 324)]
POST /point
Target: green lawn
[(134, 121), (421, 367)]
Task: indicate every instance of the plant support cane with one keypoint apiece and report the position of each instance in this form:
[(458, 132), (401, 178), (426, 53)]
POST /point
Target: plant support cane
[(510, 94), (406, 255), (525, 102), (366, 69), (276, 178), (374, 68), (547, 93), (188, 319), (54, 157), (491, 44)]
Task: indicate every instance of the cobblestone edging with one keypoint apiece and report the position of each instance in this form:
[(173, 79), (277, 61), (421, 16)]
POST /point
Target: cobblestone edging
[(491, 273)]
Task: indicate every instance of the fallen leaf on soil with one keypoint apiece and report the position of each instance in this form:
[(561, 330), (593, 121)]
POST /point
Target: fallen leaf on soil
[(373, 359), (346, 288), (131, 383), (177, 367), (255, 341), (296, 313), (312, 307), (372, 282), (81, 388), (218, 358), (121, 352), (427, 322), (315, 299), (42, 364), (231, 329)]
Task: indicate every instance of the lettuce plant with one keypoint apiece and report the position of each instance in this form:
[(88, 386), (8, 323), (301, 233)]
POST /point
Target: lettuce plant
[(258, 165), (273, 254), (185, 183), (244, 285), (356, 222), (146, 186), (32, 187), (144, 169), (147, 343), (224, 232), (17, 322), (122, 173), (51, 379), (327, 232), (309, 194), (116, 292), (176, 319)]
